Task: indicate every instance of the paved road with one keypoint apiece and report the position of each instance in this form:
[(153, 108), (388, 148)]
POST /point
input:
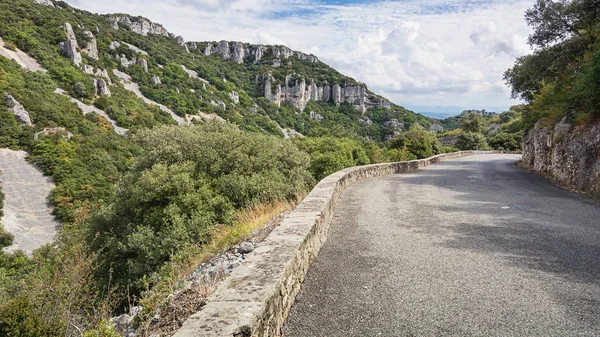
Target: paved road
[(474, 246)]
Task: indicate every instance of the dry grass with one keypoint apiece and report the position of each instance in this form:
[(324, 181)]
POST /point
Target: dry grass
[(175, 298)]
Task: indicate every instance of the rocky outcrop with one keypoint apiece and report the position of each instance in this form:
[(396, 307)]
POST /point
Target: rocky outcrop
[(182, 43), (102, 88), (299, 94), (21, 115), (70, 48), (239, 52), (138, 25), (92, 48), (235, 97), (156, 80), (125, 62), (114, 45), (394, 123), (45, 2), (103, 73), (567, 154)]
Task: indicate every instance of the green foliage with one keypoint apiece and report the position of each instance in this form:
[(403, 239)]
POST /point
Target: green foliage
[(472, 141), (473, 122), (188, 180), (328, 154), (419, 142), (505, 141), (19, 318)]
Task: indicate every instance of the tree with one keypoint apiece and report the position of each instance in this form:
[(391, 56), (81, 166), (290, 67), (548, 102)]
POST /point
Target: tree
[(472, 141), (562, 32), (473, 122)]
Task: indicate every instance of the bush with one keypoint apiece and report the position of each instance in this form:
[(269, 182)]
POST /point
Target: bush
[(505, 141), (419, 142), (328, 154), (472, 141), (188, 180)]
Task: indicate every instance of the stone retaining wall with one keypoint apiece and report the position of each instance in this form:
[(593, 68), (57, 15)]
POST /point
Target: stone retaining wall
[(257, 297)]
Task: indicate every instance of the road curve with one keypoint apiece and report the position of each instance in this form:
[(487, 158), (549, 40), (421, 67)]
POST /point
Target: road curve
[(470, 247)]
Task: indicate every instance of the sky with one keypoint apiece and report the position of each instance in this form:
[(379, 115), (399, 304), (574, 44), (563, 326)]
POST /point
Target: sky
[(440, 56)]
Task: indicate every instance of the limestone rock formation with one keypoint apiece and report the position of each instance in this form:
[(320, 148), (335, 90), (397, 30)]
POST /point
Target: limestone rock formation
[(124, 61), (235, 97), (88, 69), (70, 48), (182, 43), (103, 73), (143, 63), (156, 80), (21, 115), (91, 49), (138, 25), (223, 49), (239, 52), (299, 94), (45, 2), (135, 49), (102, 87), (208, 50), (193, 45), (114, 45), (394, 123)]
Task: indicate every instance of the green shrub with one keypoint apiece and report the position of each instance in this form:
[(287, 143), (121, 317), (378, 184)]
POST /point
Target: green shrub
[(505, 141), (328, 154), (472, 141), (188, 180)]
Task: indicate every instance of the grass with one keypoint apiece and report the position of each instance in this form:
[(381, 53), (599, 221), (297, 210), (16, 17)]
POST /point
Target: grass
[(172, 279)]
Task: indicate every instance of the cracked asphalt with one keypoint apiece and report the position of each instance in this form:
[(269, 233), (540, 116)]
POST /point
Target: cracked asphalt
[(471, 247)]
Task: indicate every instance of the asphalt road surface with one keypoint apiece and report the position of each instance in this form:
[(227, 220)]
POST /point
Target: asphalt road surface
[(471, 247)]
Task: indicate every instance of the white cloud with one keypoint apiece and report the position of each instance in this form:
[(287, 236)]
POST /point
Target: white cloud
[(418, 53)]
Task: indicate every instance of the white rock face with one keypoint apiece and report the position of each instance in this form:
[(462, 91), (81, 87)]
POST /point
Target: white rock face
[(143, 63), (156, 80), (92, 48), (21, 115), (70, 47), (238, 53), (193, 45), (256, 52), (45, 2), (209, 49), (103, 73), (223, 49), (124, 61), (135, 49), (138, 25), (235, 97), (88, 69), (102, 87), (114, 45), (299, 94)]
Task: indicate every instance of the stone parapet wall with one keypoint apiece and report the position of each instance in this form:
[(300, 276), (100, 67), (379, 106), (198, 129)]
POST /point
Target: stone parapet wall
[(257, 297)]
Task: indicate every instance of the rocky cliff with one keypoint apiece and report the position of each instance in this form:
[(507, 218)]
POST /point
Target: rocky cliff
[(137, 25), (299, 94), (252, 53), (568, 154)]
